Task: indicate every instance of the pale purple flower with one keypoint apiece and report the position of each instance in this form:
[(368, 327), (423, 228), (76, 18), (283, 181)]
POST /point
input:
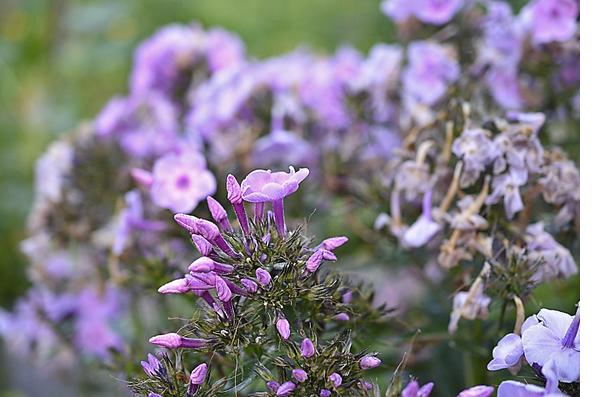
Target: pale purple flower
[(431, 69), (324, 393), (413, 389), (161, 61), (180, 181), (283, 328), (505, 87), (300, 375), (152, 366), (512, 388), (470, 309), (264, 186), (223, 50), (507, 353), (336, 379), (506, 187), (218, 213), (368, 362), (436, 12), (554, 341), (556, 260), (175, 341), (551, 20), (263, 277), (286, 389), (477, 391), (476, 150), (307, 349), (280, 148), (424, 229)]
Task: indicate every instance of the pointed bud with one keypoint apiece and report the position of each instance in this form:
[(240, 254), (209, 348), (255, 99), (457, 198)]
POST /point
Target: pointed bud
[(198, 375), (202, 265), (174, 341), (263, 276), (223, 291), (202, 245), (188, 222), (341, 317), (283, 327), (286, 389), (178, 286), (313, 263), (300, 375), (218, 213), (336, 379), (249, 285), (142, 177), (368, 362), (307, 349), (234, 191), (333, 242), (328, 255)]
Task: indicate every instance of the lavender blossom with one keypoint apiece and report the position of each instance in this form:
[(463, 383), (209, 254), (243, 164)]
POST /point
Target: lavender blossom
[(283, 328), (369, 362), (285, 389), (556, 260), (178, 286), (477, 151), (198, 375), (263, 277), (336, 379), (206, 229), (324, 393), (477, 391), (507, 353), (180, 181), (263, 186), (300, 375), (507, 186), (550, 20)]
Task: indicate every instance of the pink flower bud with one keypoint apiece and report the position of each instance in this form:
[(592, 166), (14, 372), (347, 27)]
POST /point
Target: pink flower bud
[(198, 375), (336, 379), (142, 177), (249, 285), (368, 362), (307, 349), (174, 341), (283, 327), (263, 276), (333, 242), (300, 375), (178, 286)]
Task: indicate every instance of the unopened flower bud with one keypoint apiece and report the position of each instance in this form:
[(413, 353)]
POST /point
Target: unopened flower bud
[(368, 362), (223, 291), (313, 263), (234, 191), (202, 265), (333, 242), (283, 327), (174, 341), (249, 285), (263, 276), (178, 286), (286, 389), (300, 375), (324, 393), (198, 375), (218, 213), (142, 177), (202, 245), (336, 379), (273, 386), (341, 317), (152, 366), (307, 349)]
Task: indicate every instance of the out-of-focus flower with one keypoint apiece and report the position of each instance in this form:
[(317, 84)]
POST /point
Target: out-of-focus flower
[(413, 389), (423, 230), (223, 50), (477, 391), (431, 69), (550, 20), (435, 12), (554, 259), (180, 181)]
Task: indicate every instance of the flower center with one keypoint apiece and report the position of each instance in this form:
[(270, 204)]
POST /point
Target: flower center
[(182, 182)]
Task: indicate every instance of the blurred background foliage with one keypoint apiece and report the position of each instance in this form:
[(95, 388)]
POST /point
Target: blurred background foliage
[(61, 60)]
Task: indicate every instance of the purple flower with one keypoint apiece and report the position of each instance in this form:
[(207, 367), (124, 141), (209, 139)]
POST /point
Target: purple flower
[(470, 307), (324, 393), (336, 379), (413, 389), (280, 148), (263, 277), (477, 151), (398, 10), (554, 341), (152, 366), (273, 386), (477, 391), (175, 341), (283, 327), (369, 362), (223, 50), (507, 186), (556, 260), (507, 353), (161, 61), (431, 68), (424, 228), (218, 213), (436, 12), (551, 20), (266, 186), (300, 375), (286, 389), (512, 388), (307, 348), (180, 181), (178, 286), (198, 375), (234, 195), (505, 87)]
